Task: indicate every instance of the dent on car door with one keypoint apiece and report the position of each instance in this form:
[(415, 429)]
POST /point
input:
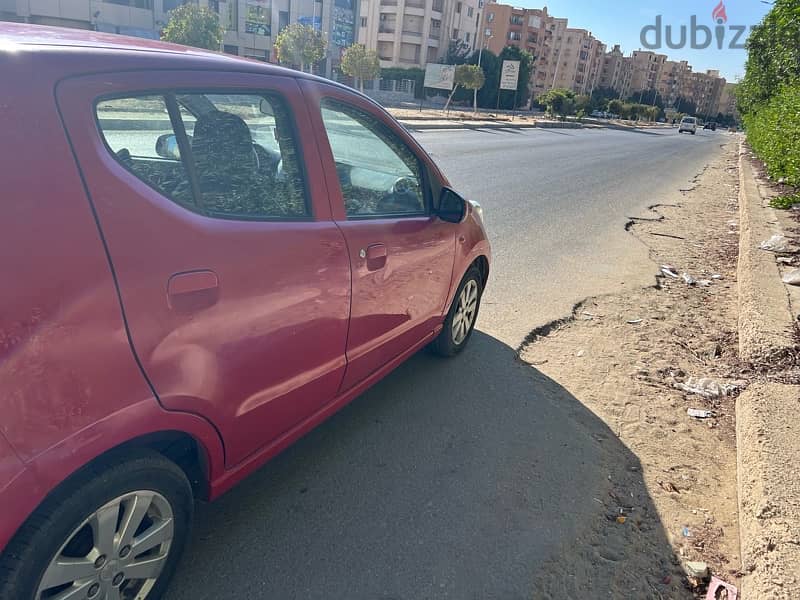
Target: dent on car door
[(401, 254), (234, 280)]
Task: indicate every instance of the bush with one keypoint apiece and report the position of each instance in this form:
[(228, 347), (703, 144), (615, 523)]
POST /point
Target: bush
[(773, 130), (785, 202)]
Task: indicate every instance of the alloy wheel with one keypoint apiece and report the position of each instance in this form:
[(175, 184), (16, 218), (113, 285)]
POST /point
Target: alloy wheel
[(465, 312), (117, 553)]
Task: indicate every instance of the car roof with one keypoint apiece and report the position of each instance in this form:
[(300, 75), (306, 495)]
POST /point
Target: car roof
[(107, 49)]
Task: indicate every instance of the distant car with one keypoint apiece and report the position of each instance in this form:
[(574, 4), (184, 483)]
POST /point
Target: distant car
[(688, 124), (599, 114), (209, 256), (710, 125)]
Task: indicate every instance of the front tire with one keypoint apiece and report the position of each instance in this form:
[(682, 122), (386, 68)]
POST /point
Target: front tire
[(111, 534), (460, 321)]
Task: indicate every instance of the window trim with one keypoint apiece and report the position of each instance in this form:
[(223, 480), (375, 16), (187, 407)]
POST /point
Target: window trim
[(427, 194), (197, 206)]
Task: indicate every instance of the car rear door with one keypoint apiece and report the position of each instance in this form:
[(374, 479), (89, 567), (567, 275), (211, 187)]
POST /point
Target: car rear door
[(234, 280), (401, 254)]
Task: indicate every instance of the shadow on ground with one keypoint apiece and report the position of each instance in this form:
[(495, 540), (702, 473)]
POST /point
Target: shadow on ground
[(476, 477)]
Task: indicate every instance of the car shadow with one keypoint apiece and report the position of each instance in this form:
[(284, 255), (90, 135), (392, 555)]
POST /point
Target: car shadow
[(475, 477)]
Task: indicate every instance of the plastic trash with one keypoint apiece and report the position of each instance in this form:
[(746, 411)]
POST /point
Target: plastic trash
[(704, 282), (699, 413), (777, 243), (707, 387), (716, 276), (716, 585), (696, 569), (669, 271), (686, 532), (792, 277), (635, 321), (689, 279)]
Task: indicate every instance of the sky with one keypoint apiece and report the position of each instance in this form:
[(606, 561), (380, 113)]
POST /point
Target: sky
[(621, 22)]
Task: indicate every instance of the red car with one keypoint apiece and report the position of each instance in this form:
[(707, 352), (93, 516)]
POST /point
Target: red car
[(204, 257)]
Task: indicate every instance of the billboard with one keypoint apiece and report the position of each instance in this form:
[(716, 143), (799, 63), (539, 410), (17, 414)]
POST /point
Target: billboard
[(439, 77), (509, 76)]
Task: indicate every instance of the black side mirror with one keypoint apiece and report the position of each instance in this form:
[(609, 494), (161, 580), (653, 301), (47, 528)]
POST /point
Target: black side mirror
[(167, 146), (452, 207)]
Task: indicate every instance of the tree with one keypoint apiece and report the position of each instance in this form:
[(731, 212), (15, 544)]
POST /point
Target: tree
[(615, 106), (300, 45), (467, 76), (361, 63), (457, 53), (192, 25), (559, 102)]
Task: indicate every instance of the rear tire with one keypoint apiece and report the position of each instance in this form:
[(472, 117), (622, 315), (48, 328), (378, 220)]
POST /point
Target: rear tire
[(133, 516), (460, 321)]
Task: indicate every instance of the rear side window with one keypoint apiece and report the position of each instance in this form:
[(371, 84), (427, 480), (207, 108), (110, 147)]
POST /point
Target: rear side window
[(132, 128), (231, 156)]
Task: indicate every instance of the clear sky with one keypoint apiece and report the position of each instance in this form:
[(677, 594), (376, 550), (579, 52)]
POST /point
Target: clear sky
[(621, 22)]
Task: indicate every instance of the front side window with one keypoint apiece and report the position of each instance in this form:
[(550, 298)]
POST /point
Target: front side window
[(240, 149), (379, 175)]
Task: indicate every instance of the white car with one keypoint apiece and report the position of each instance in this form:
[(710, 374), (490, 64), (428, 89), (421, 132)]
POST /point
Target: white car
[(688, 124)]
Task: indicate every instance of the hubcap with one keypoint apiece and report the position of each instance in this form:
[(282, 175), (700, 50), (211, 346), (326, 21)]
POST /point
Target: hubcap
[(117, 553), (466, 308)]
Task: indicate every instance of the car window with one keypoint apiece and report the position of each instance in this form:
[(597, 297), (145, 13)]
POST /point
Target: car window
[(379, 175), (131, 128), (243, 152)]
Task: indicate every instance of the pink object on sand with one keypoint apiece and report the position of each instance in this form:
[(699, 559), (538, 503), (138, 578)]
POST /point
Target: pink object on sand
[(717, 584)]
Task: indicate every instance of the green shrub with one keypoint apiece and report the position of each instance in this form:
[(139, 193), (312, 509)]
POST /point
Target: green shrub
[(773, 131), (785, 202)]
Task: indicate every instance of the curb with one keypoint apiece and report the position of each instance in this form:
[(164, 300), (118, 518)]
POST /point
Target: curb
[(766, 324), (410, 124), (768, 441)]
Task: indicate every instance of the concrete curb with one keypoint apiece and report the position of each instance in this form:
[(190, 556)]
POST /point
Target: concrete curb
[(766, 324), (768, 444), (420, 126)]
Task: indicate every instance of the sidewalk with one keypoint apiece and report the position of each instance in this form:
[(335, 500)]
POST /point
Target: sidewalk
[(768, 428)]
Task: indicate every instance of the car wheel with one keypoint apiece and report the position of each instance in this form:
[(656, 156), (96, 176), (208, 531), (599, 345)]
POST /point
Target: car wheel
[(111, 534), (460, 321), (693, 132)]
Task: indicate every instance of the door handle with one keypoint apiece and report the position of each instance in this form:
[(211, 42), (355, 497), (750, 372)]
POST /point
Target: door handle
[(376, 256), (192, 290)]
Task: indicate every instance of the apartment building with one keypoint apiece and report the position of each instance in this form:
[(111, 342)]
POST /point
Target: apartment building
[(250, 25), (646, 69), (412, 33), (672, 82), (727, 100), (612, 71)]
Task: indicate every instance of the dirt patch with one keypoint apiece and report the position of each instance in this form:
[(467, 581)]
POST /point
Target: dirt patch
[(629, 359)]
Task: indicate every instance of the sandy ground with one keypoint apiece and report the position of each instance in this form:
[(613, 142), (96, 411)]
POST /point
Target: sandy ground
[(622, 357)]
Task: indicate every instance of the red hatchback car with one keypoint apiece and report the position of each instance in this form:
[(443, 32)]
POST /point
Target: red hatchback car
[(204, 258)]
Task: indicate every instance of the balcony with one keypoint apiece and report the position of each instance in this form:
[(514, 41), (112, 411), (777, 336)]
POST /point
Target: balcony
[(438, 5), (386, 29), (412, 33), (415, 3), (435, 34), (388, 2)]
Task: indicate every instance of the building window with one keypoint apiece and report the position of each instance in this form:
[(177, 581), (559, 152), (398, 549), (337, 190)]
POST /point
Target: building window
[(363, 21), (455, 34), (458, 8), (466, 37), (517, 20), (514, 35), (490, 17), (171, 4), (470, 11)]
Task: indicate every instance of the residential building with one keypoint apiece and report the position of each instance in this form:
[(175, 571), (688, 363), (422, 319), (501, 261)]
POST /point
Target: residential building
[(250, 25), (412, 33), (727, 100), (645, 72), (612, 72), (672, 82)]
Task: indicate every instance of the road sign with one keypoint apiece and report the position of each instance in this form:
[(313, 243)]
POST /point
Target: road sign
[(439, 77), (509, 75)]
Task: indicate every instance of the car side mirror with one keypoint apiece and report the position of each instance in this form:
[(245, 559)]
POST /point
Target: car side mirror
[(167, 146), (452, 207)]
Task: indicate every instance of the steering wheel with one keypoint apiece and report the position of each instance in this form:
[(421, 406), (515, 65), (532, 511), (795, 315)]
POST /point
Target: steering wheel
[(403, 197)]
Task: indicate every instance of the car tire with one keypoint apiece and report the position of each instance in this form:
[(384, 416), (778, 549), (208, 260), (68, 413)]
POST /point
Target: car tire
[(693, 132), (103, 521), (452, 340)]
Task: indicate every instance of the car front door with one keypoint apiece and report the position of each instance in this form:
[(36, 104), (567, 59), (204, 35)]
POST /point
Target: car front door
[(234, 280), (401, 254)]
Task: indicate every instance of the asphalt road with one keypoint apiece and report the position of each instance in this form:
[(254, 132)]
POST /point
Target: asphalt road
[(462, 478)]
